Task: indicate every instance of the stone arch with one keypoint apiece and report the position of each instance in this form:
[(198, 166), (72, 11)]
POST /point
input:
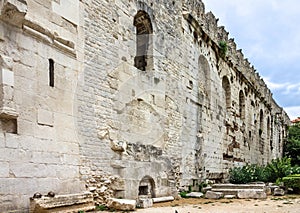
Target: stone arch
[(242, 104), (227, 91), (144, 41), (204, 76), (147, 187)]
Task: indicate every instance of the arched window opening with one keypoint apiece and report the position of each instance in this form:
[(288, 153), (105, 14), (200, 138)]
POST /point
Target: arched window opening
[(268, 128), (51, 72), (261, 122), (144, 55), (204, 76), (242, 105), (227, 90)]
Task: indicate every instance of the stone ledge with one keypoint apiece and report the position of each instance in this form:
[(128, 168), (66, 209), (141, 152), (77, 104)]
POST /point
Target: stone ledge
[(63, 203)]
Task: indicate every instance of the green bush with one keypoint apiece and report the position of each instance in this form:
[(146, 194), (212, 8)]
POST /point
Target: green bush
[(292, 181), (183, 194), (246, 174), (277, 169), (223, 49), (295, 170)]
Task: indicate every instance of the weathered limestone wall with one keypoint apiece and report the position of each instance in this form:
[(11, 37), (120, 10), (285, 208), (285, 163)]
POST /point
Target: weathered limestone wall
[(143, 101), (186, 115), (38, 141)]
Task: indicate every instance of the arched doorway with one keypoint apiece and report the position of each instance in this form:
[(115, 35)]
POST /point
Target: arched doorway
[(147, 187)]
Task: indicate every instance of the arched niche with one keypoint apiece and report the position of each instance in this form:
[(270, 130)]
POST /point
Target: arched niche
[(204, 77), (227, 91), (147, 187)]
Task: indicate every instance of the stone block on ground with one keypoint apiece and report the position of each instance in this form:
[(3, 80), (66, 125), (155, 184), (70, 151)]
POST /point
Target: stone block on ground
[(162, 199), (63, 203), (249, 193), (121, 204), (195, 194), (214, 195), (278, 192), (230, 196), (145, 203)]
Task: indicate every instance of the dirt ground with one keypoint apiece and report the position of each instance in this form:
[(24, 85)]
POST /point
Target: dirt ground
[(285, 204)]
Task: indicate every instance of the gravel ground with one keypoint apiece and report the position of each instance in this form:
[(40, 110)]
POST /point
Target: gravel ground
[(287, 204)]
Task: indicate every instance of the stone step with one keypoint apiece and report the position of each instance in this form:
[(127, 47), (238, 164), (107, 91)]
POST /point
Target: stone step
[(235, 191), (238, 186)]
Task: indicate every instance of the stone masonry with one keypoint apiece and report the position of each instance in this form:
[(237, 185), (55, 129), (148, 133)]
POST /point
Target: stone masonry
[(125, 99)]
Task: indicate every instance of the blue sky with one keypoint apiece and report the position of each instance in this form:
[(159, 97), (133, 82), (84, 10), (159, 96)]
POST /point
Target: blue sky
[(268, 32)]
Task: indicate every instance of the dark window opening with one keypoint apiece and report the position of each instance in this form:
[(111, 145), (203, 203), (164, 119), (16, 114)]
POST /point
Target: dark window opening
[(51, 72), (144, 56), (143, 190), (9, 125), (242, 105)]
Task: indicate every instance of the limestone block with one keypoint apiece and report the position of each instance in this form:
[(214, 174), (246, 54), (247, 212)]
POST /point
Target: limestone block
[(214, 195), (45, 117), (195, 194), (278, 192), (63, 203), (145, 203), (249, 193), (7, 77), (121, 204), (69, 9), (4, 170)]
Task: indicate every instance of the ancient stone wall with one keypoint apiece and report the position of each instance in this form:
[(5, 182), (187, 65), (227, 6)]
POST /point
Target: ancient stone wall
[(38, 143), (127, 98), (178, 110)]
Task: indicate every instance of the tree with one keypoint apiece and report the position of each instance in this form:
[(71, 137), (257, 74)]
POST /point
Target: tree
[(292, 145)]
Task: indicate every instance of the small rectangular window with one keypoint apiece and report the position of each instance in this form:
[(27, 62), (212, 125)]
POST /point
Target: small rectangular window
[(51, 72)]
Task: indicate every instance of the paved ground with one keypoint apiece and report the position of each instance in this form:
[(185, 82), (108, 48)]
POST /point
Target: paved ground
[(290, 204)]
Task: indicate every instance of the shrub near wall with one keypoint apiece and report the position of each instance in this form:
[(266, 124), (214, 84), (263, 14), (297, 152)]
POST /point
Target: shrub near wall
[(292, 181)]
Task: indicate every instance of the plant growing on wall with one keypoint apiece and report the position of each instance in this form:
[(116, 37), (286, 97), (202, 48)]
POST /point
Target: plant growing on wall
[(223, 49)]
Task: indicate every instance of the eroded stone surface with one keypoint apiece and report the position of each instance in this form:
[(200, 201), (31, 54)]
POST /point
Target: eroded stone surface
[(121, 204), (62, 203), (213, 195), (141, 93)]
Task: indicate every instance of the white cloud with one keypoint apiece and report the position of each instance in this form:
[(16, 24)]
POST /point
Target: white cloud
[(293, 112), (286, 88)]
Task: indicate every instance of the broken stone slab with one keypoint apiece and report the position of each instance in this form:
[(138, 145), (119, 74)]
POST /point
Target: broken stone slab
[(121, 204), (278, 192), (195, 194), (214, 195), (63, 203), (250, 193), (145, 203), (162, 199)]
